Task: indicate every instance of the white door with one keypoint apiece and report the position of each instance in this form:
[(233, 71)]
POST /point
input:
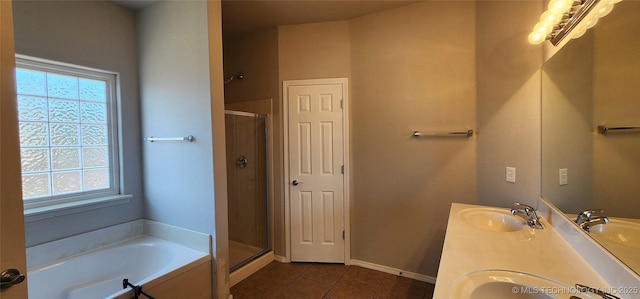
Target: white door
[(316, 179), (12, 251)]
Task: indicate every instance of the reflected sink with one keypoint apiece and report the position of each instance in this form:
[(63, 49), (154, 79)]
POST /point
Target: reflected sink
[(491, 284), (492, 219), (617, 231)]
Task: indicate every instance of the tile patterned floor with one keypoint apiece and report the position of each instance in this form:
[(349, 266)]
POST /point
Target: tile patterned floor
[(328, 281)]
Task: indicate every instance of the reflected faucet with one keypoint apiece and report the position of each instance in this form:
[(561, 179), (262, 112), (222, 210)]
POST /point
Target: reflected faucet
[(529, 213), (588, 218)]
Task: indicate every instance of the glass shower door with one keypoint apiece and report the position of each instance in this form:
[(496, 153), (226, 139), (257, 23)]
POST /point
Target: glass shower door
[(247, 187)]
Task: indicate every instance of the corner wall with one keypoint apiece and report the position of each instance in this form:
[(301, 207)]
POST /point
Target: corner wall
[(508, 79), (176, 101)]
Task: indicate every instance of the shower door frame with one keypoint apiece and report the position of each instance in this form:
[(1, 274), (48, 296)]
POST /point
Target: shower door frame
[(269, 215)]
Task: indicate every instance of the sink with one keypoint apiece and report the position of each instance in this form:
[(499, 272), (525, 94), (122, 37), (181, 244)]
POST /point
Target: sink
[(491, 284), (618, 231), (492, 219)]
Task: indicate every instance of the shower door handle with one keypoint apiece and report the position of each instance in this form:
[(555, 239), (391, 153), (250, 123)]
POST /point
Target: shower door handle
[(241, 162), (295, 183)]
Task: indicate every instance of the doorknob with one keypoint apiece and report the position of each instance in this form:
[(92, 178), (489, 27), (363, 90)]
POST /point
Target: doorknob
[(295, 183), (10, 277)]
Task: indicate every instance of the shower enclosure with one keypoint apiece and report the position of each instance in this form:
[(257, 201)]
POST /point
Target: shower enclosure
[(247, 187)]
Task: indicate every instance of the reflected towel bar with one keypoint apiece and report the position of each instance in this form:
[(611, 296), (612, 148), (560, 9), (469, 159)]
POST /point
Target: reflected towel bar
[(186, 138), (604, 129), (467, 133)]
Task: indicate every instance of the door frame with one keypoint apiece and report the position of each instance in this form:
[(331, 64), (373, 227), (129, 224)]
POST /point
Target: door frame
[(346, 178)]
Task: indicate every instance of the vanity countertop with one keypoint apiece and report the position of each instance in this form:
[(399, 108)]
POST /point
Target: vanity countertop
[(539, 252)]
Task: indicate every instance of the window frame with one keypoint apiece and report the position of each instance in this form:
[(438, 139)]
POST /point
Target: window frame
[(46, 203)]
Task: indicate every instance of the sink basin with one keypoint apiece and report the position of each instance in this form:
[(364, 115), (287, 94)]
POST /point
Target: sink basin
[(492, 219), (491, 284), (617, 231)]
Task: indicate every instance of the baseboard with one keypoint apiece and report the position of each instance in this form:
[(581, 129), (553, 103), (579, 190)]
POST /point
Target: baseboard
[(279, 258), (394, 271)]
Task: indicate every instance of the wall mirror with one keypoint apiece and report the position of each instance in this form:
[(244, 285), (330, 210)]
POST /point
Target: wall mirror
[(595, 81)]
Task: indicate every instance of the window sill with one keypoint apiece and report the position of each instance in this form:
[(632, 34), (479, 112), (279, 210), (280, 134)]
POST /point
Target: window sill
[(40, 213)]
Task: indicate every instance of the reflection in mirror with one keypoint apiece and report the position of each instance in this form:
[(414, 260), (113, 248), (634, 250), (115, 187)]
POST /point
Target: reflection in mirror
[(593, 81)]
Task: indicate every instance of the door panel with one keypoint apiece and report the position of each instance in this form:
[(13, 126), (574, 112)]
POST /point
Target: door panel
[(12, 245), (316, 158)]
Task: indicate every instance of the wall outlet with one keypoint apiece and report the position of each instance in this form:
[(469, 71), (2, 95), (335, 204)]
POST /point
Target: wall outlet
[(564, 176), (511, 175)]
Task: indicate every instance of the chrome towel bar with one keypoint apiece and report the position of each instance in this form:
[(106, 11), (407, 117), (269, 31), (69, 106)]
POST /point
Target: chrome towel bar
[(186, 138), (604, 129), (467, 133)]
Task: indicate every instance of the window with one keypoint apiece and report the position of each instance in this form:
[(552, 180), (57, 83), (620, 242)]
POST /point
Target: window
[(68, 133)]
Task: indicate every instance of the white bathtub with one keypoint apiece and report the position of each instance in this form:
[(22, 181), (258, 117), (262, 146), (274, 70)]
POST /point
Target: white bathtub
[(99, 273)]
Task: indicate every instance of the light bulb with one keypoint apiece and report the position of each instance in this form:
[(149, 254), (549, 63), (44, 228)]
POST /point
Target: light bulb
[(591, 23), (579, 32), (605, 10), (548, 16), (544, 27), (537, 37), (560, 6)]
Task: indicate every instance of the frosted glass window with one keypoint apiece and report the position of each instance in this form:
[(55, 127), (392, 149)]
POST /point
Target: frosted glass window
[(33, 134), (32, 108), (31, 82), (63, 111), (35, 185), (96, 178), (60, 86), (95, 156), (93, 90), (68, 141), (65, 158), (95, 113), (35, 159), (66, 182), (64, 134)]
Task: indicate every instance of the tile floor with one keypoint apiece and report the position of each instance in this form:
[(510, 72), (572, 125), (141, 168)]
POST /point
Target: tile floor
[(328, 281)]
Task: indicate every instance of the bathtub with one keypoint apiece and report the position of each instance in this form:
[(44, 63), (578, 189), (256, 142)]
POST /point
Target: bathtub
[(99, 273)]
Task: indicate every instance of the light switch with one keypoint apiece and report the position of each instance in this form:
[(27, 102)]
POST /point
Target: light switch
[(564, 176), (511, 175)]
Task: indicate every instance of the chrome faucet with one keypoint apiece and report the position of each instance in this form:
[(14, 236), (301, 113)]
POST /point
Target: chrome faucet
[(528, 213), (588, 218)]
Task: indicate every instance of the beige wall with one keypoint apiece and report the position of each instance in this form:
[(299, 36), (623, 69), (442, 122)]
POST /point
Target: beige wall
[(408, 74), (508, 80), (256, 56), (311, 51)]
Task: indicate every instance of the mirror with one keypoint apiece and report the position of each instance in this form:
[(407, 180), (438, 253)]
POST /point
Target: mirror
[(593, 81)]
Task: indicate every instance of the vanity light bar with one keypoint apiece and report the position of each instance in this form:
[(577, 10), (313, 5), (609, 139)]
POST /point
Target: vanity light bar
[(565, 16)]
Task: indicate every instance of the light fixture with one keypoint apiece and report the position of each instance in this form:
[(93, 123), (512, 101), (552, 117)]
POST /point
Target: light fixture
[(564, 16)]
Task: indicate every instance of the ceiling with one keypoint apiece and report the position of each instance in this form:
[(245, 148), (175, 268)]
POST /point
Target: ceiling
[(242, 16)]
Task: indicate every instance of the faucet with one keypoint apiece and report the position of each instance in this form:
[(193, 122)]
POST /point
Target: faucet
[(587, 219), (528, 213)]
